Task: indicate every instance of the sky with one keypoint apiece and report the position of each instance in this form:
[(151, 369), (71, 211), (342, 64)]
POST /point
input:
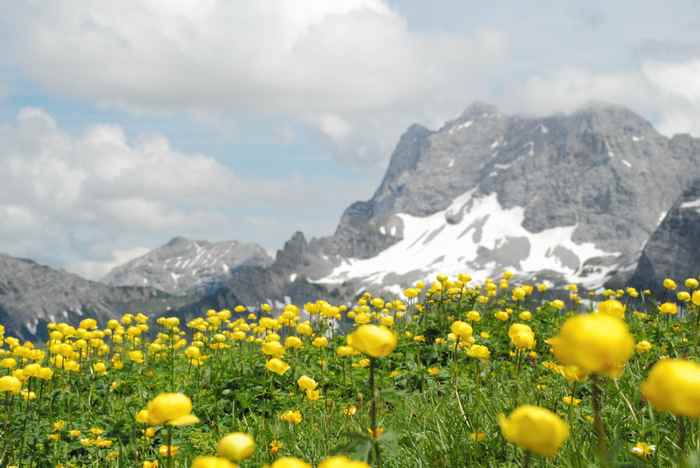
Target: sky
[(124, 124)]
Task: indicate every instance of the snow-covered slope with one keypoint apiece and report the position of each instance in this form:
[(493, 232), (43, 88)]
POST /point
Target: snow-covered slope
[(485, 237), (566, 197), (183, 265)]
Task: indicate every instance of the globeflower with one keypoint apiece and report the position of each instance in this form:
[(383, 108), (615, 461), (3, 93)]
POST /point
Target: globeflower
[(612, 307), (341, 461), (462, 330), (307, 383), (673, 385), (668, 308), (479, 352), (10, 384), (373, 340), (210, 462), (174, 409), (289, 462), (291, 416), (596, 343), (521, 336), (236, 446), (669, 284), (536, 429), (643, 346), (277, 366)]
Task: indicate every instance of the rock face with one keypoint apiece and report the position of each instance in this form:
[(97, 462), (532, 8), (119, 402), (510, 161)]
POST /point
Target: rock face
[(32, 295), (568, 197), (673, 251), (183, 266)]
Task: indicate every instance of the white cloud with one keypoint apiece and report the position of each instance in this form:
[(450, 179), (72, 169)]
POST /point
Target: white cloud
[(335, 64), (98, 269), (77, 194), (667, 93), (84, 201)]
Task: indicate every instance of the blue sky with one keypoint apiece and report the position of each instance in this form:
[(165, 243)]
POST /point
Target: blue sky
[(123, 127)]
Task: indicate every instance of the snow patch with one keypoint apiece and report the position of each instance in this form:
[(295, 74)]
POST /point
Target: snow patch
[(451, 163), (690, 204), (636, 138), (626, 163), (175, 276), (382, 230), (465, 125), (292, 277), (393, 231), (499, 228), (543, 128), (494, 144)]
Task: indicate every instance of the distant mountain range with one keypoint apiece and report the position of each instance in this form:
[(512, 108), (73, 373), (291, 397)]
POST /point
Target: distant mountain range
[(596, 197)]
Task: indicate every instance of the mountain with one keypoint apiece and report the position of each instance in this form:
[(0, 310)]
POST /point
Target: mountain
[(183, 266), (596, 196), (567, 197), (673, 251), (32, 295)]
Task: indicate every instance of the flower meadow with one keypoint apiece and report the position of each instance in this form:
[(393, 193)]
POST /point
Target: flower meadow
[(452, 374)]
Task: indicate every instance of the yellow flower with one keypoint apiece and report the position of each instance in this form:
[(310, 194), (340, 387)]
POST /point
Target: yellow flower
[(373, 340), (350, 410), (291, 416), (696, 298), (683, 296), (136, 356), (502, 315), (669, 284), (473, 316), (477, 436), (277, 366), (479, 352), (571, 401), (643, 450), (236, 446), (461, 329), (211, 462), (168, 450), (643, 347), (273, 348), (612, 307), (340, 461), (275, 446), (525, 315), (293, 342), (522, 336), (668, 308), (692, 283), (150, 464), (307, 383), (596, 343), (320, 342), (289, 462), (519, 293), (10, 384), (673, 385), (174, 409), (433, 370), (557, 304), (536, 429)]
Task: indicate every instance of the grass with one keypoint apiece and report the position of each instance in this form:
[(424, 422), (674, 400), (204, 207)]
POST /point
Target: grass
[(436, 406)]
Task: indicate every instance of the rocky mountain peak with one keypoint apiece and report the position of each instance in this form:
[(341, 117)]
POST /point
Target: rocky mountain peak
[(183, 265)]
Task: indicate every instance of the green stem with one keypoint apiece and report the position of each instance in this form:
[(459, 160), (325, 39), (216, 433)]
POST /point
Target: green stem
[(596, 396), (373, 413)]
